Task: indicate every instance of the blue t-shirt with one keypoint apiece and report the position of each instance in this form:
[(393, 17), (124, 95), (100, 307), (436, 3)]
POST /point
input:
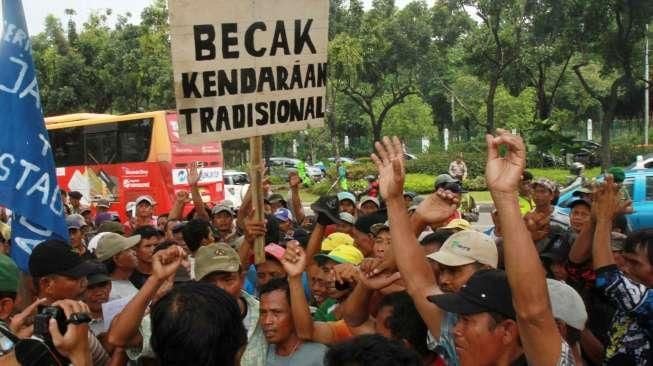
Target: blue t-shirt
[(250, 283)]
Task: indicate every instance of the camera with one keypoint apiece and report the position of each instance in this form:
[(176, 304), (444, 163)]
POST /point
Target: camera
[(42, 319)]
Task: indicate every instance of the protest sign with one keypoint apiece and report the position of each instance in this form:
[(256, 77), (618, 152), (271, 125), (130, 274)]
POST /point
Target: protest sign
[(248, 68), (28, 184)]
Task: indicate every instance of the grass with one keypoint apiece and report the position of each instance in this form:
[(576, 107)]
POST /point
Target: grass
[(481, 196)]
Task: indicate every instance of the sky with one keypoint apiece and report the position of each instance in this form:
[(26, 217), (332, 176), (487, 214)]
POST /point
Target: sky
[(37, 10)]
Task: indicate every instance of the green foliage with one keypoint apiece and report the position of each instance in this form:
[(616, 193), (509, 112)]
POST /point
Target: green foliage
[(436, 163)]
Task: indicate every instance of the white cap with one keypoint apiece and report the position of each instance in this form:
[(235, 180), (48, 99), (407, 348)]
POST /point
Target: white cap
[(147, 198), (466, 247), (370, 199), (347, 217), (566, 303)]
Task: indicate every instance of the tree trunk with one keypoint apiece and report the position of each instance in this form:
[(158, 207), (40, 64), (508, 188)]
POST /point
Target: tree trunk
[(376, 132), (606, 126), (489, 105)]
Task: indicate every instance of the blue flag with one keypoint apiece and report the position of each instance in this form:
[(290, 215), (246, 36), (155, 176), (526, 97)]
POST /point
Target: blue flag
[(28, 183)]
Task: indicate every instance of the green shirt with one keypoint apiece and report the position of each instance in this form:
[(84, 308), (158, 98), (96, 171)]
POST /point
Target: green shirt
[(325, 312)]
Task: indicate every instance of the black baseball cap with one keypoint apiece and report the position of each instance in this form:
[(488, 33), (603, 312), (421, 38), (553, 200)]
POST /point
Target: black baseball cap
[(486, 291), (98, 274), (328, 206), (57, 257)]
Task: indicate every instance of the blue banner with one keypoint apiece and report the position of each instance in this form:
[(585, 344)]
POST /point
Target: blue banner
[(28, 183)]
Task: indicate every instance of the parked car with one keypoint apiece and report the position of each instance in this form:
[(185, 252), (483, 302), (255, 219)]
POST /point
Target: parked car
[(585, 151), (288, 164), (639, 184), (343, 160), (642, 162), (236, 185)]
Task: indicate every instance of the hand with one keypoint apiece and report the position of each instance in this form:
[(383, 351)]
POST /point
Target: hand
[(254, 228), (345, 272), (503, 174), (379, 281), (606, 202), (293, 180), (74, 343), (20, 323), (437, 207), (166, 262), (389, 160), (193, 174), (182, 197), (294, 259)]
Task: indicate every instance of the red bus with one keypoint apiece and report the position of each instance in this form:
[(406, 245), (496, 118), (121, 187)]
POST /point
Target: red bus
[(119, 158)]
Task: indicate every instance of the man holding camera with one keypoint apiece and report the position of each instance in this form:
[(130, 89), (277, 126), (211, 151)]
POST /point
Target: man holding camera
[(60, 274)]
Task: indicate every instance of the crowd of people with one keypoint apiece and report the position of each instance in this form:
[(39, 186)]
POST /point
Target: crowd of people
[(388, 278)]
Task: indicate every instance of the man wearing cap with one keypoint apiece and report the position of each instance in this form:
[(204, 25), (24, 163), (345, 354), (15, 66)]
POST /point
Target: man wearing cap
[(97, 293), (285, 220), (74, 198), (143, 214), (347, 202), (369, 205), (446, 183), (76, 224), (59, 273), (220, 265), (224, 230), (381, 235), (102, 205), (544, 194), (150, 237), (570, 314), (276, 202), (117, 253)]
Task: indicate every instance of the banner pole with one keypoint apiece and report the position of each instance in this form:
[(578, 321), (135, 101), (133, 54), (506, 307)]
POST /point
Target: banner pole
[(256, 158)]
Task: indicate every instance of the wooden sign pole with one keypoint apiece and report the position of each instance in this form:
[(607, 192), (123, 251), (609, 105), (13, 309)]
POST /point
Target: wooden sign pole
[(256, 158)]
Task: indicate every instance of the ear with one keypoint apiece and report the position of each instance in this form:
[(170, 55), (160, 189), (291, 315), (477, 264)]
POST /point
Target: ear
[(45, 286), (511, 334), (6, 307)]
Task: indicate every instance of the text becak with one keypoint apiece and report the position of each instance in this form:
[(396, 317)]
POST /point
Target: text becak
[(205, 36)]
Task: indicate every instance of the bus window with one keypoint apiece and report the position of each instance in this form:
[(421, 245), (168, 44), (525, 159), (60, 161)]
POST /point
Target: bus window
[(67, 146), (106, 143), (101, 144), (134, 140)]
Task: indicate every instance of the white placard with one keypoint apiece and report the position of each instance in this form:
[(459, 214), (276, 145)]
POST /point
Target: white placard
[(248, 68)]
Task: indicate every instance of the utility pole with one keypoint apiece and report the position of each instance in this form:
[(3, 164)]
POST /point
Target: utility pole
[(646, 89)]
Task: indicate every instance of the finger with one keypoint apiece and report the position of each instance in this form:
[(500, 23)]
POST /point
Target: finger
[(31, 309), (389, 147), (377, 161), (397, 167), (381, 152), (492, 151), (54, 331)]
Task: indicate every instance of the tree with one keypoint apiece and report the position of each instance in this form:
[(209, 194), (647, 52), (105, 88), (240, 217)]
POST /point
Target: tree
[(376, 67), (495, 45), (612, 32)]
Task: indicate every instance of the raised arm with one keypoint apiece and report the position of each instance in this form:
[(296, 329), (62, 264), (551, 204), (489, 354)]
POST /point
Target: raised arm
[(581, 249), (314, 242), (409, 256), (537, 328), (181, 198), (294, 262), (296, 201), (125, 325), (193, 181)]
